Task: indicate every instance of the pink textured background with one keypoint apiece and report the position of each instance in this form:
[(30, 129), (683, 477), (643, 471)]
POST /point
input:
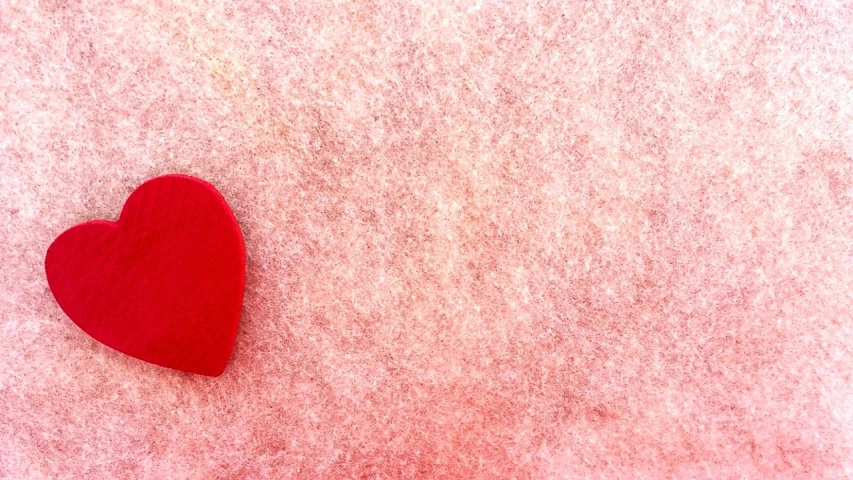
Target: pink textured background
[(485, 240)]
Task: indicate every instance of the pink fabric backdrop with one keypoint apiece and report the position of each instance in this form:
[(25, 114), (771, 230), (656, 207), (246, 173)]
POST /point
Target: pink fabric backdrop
[(484, 240)]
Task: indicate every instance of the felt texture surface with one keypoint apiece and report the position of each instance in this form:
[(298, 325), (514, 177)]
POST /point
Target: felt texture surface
[(484, 239)]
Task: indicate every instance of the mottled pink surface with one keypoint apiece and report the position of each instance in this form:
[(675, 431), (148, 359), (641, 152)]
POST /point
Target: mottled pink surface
[(484, 240)]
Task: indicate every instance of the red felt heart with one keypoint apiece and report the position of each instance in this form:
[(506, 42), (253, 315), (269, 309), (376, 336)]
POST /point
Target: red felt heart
[(164, 283)]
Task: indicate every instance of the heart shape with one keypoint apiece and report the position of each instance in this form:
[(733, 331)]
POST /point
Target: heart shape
[(164, 283)]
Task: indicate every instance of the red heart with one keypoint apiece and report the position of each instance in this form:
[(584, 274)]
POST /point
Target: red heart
[(164, 283)]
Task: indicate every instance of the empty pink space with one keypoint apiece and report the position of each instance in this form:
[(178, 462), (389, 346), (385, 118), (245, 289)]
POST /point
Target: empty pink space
[(483, 239)]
